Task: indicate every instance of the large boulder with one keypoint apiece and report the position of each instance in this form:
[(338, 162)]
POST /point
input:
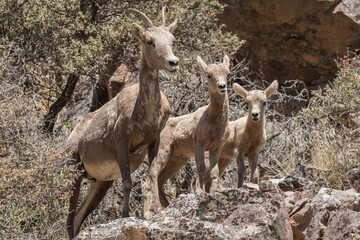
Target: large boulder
[(225, 214), (294, 39), (343, 224), (327, 204), (331, 213)]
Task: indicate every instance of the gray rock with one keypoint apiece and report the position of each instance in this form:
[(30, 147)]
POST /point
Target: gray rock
[(343, 224), (225, 214), (292, 183), (326, 204)]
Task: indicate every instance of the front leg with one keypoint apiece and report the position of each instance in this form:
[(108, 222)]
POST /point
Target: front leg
[(214, 168), (122, 149), (253, 159), (200, 166), (240, 169)]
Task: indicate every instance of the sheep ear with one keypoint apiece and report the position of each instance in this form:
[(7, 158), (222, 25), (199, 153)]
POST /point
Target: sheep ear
[(240, 90), (172, 26), (226, 61), (270, 90), (138, 32), (202, 64)]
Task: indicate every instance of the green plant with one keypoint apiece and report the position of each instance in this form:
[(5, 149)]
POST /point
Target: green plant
[(70, 125)]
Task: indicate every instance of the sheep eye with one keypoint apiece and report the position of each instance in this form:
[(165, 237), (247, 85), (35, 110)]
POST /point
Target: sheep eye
[(149, 42), (209, 76), (264, 103)]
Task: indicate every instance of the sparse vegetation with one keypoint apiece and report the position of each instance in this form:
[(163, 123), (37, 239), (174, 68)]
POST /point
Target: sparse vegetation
[(34, 181), (321, 142), (45, 46)]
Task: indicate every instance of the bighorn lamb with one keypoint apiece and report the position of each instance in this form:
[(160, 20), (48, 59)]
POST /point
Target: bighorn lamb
[(247, 134), (112, 142), (191, 135)]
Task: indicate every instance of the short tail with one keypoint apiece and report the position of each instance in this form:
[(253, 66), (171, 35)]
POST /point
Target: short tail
[(75, 161)]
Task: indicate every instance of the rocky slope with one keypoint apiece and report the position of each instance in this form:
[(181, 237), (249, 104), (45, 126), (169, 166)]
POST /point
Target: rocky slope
[(294, 39), (252, 212)]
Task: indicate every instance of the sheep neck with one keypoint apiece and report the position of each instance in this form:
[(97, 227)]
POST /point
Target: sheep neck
[(219, 107), (149, 98)]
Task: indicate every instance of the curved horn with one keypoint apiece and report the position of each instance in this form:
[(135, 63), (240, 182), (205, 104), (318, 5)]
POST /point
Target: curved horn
[(147, 21), (163, 16)]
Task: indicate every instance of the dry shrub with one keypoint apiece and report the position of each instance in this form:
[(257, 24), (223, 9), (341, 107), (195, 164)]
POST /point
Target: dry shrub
[(322, 141), (335, 152), (334, 113), (34, 185)]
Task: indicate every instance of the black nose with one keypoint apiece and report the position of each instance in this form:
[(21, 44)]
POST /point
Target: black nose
[(255, 115), (174, 63), (222, 87)]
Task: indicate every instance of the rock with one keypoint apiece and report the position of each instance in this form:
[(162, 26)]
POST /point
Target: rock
[(327, 203), (268, 186), (224, 214), (300, 217), (119, 79), (352, 179), (251, 186), (291, 183), (343, 224), (312, 217), (75, 110), (294, 39), (344, 199), (350, 8)]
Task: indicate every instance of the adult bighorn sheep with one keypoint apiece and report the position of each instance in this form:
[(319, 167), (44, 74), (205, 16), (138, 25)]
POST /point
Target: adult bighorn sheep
[(112, 142), (190, 135), (247, 134)]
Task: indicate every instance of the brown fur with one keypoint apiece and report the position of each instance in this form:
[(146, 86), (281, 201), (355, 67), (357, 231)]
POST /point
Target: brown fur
[(247, 137), (112, 142), (191, 135)]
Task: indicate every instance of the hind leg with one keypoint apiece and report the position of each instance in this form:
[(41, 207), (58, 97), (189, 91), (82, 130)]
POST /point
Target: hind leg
[(95, 194), (175, 164), (152, 203), (72, 207), (223, 164), (162, 196)]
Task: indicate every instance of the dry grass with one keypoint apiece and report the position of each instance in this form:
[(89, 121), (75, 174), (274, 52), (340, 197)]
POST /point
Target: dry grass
[(34, 181)]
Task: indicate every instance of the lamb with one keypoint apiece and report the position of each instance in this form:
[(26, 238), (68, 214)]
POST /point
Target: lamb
[(247, 134), (191, 135)]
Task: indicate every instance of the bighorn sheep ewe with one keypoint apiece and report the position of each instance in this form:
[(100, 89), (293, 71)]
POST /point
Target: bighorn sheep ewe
[(191, 135), (247, 134), (112, 142)]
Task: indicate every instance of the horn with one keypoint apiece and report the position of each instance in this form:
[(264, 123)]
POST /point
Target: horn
[(163, 16), (147, 21)]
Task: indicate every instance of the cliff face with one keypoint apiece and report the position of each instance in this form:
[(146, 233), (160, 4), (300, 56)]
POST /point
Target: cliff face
[(291, 39)]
